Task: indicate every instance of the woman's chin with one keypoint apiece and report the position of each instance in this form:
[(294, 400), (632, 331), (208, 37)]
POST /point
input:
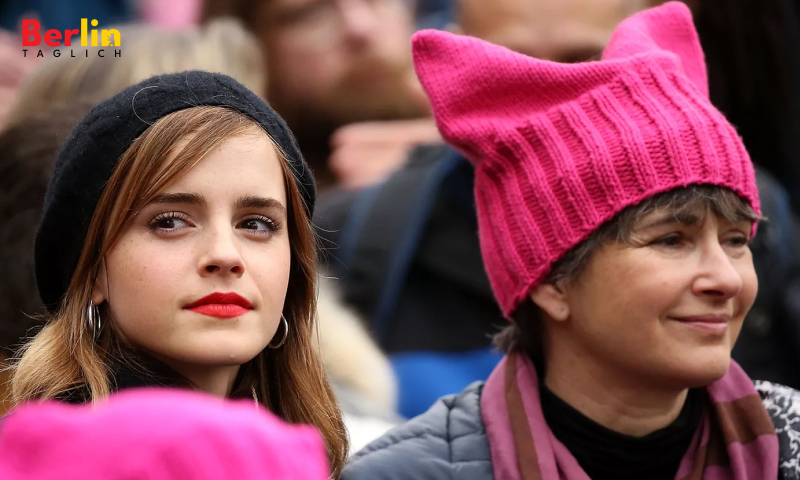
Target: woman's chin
[(221, 354), (224, 359), (705, 366)]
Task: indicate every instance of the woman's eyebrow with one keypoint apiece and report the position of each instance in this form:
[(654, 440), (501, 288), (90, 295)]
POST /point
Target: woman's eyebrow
[(254, 201), (684, 218), (249, 201), (180, 198)]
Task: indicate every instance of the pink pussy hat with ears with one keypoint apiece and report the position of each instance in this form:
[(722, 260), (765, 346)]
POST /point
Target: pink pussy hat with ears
[(157, 435), (559, 149)]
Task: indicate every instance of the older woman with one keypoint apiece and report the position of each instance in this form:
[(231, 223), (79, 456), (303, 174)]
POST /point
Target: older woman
[(615, 207)]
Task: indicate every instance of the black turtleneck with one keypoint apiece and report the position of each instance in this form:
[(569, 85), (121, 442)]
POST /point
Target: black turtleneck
[(606, 454)]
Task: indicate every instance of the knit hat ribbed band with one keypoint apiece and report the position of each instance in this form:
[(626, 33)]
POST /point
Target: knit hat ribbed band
[(560, 149)]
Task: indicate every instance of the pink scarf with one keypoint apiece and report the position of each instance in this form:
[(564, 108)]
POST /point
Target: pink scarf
[(735, 440)]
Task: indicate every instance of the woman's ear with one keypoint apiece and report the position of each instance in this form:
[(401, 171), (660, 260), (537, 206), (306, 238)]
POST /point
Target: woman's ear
[(100, 289), (552, 300)]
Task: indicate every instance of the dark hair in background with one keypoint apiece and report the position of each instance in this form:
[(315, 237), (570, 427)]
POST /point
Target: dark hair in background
[(27, 152), (752, 51)]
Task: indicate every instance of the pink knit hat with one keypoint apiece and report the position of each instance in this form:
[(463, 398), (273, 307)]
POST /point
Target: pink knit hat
[(157, 435), (560, 149)]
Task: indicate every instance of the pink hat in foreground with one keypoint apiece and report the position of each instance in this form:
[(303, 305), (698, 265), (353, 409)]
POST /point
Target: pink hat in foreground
[(157, 435), (559, 149)]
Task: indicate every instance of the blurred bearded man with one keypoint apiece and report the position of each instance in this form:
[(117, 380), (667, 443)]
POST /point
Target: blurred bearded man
[(332, 63)]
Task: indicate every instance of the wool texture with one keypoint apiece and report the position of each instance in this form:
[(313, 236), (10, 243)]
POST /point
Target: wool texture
[(157, 434), (560, 149), (734, 441)]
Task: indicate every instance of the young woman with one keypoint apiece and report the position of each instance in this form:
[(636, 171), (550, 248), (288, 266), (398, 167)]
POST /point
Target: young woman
[(176, 249), (615, 207)]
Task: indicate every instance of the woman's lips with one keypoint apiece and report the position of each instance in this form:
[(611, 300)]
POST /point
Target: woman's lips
[(220, 310), (714, 324), (221, 305)]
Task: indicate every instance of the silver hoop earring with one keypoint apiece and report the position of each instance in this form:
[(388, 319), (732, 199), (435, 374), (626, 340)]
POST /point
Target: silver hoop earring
[(93, 323), (285, 334)]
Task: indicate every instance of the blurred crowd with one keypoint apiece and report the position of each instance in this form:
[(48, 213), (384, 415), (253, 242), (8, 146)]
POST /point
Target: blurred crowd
[(406, 311)]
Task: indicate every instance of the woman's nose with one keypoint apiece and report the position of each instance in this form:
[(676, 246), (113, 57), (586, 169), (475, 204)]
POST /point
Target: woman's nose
[(221, 255), (719, 276)]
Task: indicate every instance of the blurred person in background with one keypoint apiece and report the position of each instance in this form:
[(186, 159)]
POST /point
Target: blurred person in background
[(221, 46), (615, 207), (359, 372), (173, 15), (365, 154), (27, 152), (408, 255), (157, 435), (558, 30), (15, 69), (331, 63), (175, 249)]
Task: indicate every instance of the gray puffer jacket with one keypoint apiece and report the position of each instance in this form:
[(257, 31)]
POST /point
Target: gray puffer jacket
[(449, 442)]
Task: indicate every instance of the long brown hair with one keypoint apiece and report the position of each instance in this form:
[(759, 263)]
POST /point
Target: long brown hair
[(63, 359)]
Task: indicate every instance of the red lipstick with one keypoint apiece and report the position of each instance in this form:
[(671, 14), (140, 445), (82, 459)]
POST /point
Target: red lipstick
[(221, 305)]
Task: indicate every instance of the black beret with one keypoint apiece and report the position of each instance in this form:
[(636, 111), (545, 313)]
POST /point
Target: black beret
[(90, 153)]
